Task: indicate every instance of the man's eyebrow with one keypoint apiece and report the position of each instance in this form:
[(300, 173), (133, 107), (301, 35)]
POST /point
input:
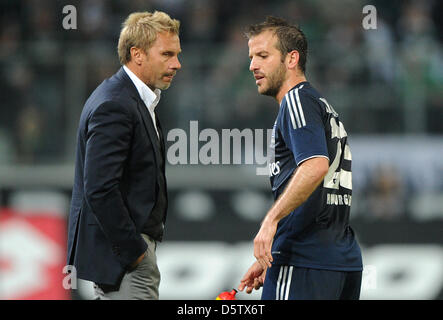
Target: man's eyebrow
[(171, 51), (258, 53)]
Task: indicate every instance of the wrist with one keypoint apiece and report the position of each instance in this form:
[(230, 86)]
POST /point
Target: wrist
[(270, 220)]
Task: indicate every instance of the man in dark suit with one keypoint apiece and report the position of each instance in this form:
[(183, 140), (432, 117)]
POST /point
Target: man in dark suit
[(119, 197)]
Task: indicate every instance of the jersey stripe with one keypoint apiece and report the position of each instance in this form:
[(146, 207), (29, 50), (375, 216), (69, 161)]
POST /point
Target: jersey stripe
[(282, 289), (288, 284), (294, 108), (290, 113), (302, 116), (277, 290)]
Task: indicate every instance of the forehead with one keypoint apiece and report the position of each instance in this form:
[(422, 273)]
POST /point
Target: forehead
[(265, 41), (167, 41)]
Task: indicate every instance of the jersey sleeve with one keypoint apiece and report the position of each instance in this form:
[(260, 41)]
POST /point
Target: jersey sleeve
[(302, 127)]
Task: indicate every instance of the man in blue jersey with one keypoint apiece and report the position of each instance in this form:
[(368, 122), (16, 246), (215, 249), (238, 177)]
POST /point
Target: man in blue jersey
[(305, 248)]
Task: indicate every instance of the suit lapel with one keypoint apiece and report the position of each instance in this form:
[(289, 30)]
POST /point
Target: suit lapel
[(146, 117), (149, 126), (160, 133)]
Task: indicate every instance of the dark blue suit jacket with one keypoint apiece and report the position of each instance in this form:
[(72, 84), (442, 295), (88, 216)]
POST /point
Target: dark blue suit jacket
[(119, 161)]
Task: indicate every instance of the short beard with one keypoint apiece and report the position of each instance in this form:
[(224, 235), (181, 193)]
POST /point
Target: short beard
[(275, 80)]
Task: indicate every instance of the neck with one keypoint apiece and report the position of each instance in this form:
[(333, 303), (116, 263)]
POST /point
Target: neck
[(288, 85), (133, 67)]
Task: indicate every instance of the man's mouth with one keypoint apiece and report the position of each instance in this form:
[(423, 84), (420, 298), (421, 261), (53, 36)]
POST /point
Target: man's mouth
[(169, 76), (258, 78)]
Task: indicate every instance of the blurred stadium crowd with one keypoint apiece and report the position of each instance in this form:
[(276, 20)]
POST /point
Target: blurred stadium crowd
[(383, 81)]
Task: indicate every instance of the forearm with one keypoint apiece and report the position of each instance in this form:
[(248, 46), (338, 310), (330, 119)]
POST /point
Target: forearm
[(302, 184)]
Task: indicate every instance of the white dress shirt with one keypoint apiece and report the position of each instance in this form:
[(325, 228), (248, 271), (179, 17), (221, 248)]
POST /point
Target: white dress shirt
[(149, 97)]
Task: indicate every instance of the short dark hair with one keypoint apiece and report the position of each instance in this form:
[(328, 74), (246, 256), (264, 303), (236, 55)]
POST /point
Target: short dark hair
[(290, 37)]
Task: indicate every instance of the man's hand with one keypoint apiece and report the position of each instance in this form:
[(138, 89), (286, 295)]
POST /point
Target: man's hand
[(263, 243), (253, 278)]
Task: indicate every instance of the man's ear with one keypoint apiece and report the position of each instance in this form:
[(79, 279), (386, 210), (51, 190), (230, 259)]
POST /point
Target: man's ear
[(136, 55), (293, 58)]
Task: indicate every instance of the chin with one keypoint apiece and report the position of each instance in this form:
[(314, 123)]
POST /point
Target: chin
[(261, 90), (163, 86), (271, 92)]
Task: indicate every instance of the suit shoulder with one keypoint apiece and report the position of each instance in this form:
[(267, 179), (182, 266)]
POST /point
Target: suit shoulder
[(110, 92)]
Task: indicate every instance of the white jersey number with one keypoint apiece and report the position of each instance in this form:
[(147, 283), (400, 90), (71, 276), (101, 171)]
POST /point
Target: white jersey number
[(334, 178)]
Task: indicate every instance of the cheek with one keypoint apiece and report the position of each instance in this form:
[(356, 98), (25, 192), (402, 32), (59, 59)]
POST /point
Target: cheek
[(275, 71), (147, 69), (153, 65), (159, 68)]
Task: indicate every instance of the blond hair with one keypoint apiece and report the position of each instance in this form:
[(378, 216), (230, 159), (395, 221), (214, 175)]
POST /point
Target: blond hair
[(140, 30)]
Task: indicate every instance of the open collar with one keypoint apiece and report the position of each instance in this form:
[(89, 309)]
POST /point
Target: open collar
[(149, 97)]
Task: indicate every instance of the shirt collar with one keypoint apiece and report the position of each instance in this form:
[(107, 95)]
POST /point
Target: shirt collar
[(149, 97)]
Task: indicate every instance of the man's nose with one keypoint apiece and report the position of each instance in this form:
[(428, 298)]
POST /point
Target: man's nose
[(252, 65), (176, 65)]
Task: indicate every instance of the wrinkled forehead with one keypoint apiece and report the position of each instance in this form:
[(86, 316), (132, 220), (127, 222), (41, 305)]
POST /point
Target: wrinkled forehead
[(264, 41)]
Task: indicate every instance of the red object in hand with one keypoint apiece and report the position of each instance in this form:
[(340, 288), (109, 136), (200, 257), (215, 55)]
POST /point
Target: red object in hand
[(227, 295)]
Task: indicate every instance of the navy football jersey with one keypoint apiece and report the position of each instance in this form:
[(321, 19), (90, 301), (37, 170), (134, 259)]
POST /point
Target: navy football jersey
[(317, 233)]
